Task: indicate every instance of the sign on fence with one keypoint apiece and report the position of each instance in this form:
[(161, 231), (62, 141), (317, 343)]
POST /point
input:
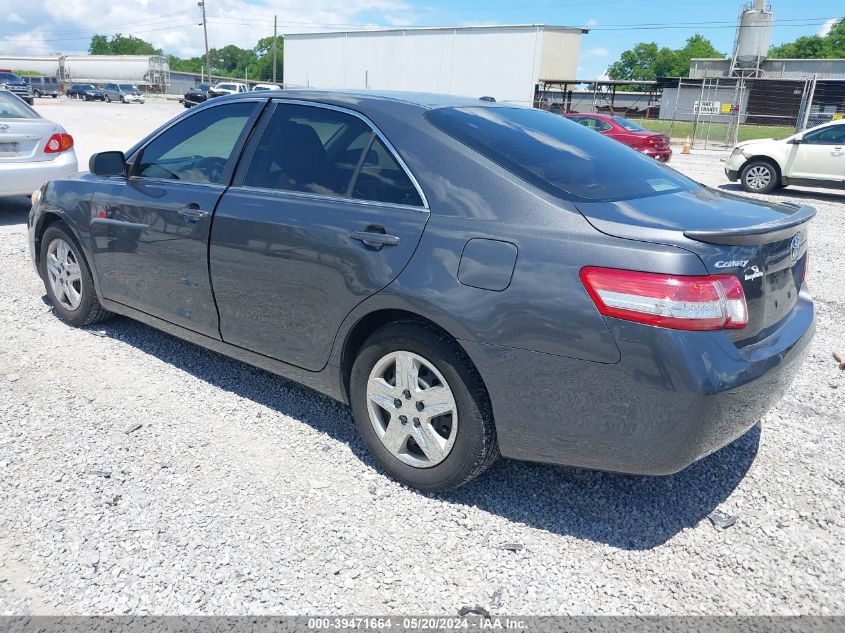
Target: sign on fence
[(707, 107)]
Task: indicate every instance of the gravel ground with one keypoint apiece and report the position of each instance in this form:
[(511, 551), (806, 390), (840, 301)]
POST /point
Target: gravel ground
[(241, 492)]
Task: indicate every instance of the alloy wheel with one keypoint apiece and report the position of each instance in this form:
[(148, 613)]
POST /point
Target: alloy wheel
[(758, 177), (64, 274), (412, 409)]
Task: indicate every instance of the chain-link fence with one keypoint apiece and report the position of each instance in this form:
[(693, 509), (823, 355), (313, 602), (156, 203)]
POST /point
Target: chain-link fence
[(711, 113)]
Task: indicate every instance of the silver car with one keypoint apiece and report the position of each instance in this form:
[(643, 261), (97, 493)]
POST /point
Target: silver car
[(33, 150), (125, 93)]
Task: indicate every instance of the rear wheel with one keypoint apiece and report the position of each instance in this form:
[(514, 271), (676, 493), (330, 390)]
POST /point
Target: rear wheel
[(37, 94), (67, 278), (759, 176), (108, 99), (421, 407)]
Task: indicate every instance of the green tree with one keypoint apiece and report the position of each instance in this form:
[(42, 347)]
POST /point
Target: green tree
[(121, 45), (262, 67), (828, 46), (646, 61)]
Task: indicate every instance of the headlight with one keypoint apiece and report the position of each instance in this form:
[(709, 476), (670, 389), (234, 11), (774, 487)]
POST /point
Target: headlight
[(35, 197), (737, 150)]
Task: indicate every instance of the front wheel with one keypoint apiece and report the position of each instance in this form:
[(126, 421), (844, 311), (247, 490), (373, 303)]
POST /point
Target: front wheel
[(421, 408), (37, 94), (67, 278), (759, 176), (108, 99)]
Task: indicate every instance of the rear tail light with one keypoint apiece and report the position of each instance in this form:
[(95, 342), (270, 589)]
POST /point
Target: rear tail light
[(58, 143), (681, 302)]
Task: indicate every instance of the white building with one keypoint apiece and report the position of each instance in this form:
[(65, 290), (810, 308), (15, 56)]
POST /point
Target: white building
[(504, 62)]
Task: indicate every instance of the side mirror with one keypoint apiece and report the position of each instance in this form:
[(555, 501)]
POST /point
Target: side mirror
[(107, 164), (796, 141)]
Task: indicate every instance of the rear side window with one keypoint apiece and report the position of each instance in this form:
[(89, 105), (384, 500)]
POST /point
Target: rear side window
[(558, 155), (322, 151), (11, 107)]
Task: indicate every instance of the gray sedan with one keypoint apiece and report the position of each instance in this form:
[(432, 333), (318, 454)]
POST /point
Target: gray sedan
[(33, 150), (472, 278)]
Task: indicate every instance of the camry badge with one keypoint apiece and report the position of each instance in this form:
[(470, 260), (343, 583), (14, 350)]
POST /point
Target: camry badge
[(795, 247), (733, 263)]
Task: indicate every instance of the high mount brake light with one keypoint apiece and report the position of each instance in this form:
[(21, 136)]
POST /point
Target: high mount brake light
[(58, 143), (681, 302)]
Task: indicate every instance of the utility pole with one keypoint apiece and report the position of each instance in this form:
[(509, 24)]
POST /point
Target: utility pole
[(201, 4), (274, 47)]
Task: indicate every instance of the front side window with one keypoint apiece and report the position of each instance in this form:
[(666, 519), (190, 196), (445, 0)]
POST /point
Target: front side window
[(197, 148), (832, 135), (557, 155)]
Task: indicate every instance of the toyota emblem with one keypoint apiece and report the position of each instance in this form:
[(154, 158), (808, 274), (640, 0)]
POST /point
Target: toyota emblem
[(4, 127), (795, 247)]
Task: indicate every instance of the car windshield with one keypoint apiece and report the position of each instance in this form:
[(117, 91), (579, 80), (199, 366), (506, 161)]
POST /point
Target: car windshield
[(85, 87), (127, 87), (227, 86), (629, 125), (202, 87), (558, 155), (9, 77), (257, 88), (11, 107)]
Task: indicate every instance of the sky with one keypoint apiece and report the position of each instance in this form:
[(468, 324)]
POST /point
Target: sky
[(66, 26)]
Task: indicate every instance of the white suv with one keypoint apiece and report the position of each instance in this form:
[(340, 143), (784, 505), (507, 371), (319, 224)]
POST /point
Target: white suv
[(813, 158), (227, 88)]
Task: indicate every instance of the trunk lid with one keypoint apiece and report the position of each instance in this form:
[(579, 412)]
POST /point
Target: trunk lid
[(763, 244), (23, 140)]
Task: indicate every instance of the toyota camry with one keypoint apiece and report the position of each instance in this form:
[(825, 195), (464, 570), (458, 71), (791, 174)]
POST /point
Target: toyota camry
[(472, 278)]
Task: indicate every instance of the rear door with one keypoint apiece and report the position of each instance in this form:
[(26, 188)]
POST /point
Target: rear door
[(150, 230), (321, 215)]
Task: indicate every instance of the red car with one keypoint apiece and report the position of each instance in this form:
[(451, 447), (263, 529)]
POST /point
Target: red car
[(627, 132)]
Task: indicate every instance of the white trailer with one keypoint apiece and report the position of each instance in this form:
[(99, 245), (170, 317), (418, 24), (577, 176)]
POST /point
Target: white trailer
[(146, 71), (44, 65), (504, 62)]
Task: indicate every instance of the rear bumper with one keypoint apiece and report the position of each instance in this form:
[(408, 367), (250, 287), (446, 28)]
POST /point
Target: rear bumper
[(673, 398), (663, 155), (21, 179)]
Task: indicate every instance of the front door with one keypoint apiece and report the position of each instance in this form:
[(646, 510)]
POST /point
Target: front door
[(819, 156), (150, 231), (321, 217)]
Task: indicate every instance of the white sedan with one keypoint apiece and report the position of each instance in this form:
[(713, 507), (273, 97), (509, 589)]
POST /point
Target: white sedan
[(813, 158), (33, 150)]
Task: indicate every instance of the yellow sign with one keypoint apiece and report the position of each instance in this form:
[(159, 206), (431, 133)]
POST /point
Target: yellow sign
[(838, 115), (726, 108)]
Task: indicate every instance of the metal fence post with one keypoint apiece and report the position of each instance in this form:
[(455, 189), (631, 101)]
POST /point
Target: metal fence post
[(809, 105)]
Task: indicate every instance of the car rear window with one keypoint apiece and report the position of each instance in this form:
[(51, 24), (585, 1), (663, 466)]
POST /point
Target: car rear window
[(12, 107), (557, 155)]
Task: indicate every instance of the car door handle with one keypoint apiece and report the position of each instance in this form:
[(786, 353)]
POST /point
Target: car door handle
[(372, 236), (837, 151), (192, 213)]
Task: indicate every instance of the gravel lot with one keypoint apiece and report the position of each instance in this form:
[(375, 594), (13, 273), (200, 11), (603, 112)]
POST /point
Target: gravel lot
[(241, 492)]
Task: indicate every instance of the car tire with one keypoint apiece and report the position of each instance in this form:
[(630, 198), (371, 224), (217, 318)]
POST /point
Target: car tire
[(78, 311), (465, 444), (108, 99), (54, 96), (123, 99), (759, 176), (37, 94)]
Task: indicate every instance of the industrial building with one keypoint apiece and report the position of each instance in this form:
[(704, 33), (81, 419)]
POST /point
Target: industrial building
[(149, 72), (504, 62)]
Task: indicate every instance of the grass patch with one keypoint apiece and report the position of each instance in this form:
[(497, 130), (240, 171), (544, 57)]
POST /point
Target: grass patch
[(679, 130)]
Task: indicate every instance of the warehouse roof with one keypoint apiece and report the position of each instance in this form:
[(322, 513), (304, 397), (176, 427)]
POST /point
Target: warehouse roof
[(526, 27)]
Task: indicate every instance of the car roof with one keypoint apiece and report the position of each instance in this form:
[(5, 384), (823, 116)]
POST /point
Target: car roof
[(344, 97)]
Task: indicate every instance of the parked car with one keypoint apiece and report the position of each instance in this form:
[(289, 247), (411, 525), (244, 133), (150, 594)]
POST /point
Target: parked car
[(44, 86), (262, 87), (196, 95), (86, 92), (16, 85), (226, 88), (125, 93), (627, 132), (471, 277), (813, 158), (33, 150)]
